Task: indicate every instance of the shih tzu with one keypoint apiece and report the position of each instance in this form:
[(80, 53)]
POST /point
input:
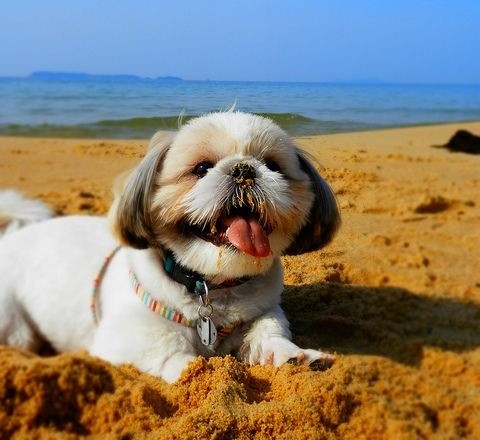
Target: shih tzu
[(193, 267)]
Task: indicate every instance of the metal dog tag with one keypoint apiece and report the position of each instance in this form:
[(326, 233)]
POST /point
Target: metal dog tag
[(206, 330)]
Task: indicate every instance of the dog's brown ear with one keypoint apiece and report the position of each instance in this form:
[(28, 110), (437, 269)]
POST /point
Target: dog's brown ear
[(130, 213), (324, 217)]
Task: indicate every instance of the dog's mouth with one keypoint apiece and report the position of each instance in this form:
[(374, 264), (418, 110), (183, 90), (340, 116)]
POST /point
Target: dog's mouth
[(241, 229)]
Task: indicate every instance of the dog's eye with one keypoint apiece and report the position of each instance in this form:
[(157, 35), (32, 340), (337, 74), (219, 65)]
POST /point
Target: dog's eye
[(202, 168), (272, 165)]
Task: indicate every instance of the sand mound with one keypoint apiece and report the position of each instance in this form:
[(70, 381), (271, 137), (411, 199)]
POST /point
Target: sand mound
[(401, 388), (221, 398)]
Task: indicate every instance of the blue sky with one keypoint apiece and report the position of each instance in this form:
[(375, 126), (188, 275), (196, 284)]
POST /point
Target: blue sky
[(425, 41)]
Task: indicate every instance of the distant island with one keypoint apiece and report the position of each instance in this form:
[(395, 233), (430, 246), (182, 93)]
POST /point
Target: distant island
[(81, 76)]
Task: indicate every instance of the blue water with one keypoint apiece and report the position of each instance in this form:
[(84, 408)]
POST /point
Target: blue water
[(119, 107)]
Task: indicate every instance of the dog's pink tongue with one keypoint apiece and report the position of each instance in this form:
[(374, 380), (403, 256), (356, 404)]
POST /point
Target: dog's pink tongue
[(248, 236)]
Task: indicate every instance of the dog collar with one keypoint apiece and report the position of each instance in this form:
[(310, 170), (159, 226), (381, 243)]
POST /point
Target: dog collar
[(207, 331), (193, 281), (96, 284), (158, 307)]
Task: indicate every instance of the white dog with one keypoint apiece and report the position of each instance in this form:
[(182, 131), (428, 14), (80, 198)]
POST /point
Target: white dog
[(202, 222)]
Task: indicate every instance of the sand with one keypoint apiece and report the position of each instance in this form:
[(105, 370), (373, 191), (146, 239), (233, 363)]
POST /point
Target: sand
[(396, 296)]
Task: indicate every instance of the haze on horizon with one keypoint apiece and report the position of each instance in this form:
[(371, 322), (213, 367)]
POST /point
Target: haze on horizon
[(414, 41)]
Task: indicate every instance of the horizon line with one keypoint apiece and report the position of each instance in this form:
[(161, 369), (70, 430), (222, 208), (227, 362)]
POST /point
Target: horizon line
[(37, 74)]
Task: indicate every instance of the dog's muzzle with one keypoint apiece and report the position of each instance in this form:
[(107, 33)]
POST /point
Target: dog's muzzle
[(241, 224)]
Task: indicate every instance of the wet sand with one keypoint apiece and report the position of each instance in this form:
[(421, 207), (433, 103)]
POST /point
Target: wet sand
[(396, 296)]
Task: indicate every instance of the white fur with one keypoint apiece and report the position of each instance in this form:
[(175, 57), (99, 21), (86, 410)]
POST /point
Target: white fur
[(17, 211), (48, 268)]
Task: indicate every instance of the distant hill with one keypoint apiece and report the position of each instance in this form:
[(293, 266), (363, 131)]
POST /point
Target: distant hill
[(169, 78), (81, 76)]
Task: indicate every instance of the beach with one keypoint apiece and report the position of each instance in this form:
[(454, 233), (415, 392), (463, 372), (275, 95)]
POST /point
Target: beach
[(396, 296)]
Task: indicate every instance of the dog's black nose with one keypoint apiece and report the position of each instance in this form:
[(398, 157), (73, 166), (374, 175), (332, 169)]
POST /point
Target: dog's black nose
[(243, 173)]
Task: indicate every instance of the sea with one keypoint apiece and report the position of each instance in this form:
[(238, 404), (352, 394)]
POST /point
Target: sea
[(122, 106)]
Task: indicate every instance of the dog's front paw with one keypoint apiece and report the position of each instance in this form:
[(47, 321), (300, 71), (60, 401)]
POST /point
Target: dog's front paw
[(315, 359), (278, 351)]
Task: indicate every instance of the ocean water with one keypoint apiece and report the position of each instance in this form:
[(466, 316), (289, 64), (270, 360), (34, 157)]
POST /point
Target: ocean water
[(124, 107)]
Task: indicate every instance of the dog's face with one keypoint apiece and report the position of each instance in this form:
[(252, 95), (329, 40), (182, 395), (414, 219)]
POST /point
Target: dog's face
[(227, 195)]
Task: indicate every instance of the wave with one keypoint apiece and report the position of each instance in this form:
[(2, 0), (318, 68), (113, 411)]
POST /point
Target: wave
[(144, 127), (109, 128)]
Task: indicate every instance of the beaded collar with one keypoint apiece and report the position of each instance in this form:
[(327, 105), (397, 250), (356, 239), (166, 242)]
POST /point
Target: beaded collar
[(207, 331), (156, 306), (94, 306)]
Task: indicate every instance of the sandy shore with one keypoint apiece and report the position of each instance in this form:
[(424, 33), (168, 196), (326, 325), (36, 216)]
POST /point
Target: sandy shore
[(396, 296)]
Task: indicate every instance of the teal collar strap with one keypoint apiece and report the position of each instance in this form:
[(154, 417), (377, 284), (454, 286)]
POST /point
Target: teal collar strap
[(193, 281)]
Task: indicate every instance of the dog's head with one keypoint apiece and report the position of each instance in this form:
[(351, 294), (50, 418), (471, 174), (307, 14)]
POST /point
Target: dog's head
[(226, 194)]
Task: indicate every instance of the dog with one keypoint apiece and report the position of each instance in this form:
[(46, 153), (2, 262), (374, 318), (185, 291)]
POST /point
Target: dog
[(193, 265)]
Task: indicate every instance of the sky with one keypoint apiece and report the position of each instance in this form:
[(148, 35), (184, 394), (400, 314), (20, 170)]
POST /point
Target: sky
[(409, 41)]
